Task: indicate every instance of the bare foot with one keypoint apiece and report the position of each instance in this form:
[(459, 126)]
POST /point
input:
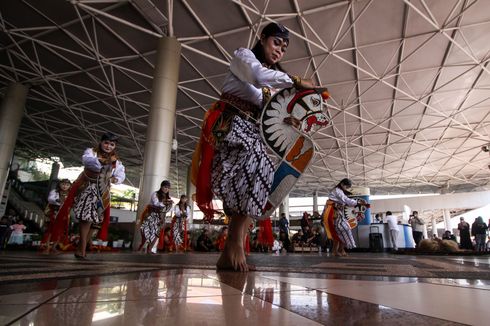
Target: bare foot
[(344, 254), (233, 258)]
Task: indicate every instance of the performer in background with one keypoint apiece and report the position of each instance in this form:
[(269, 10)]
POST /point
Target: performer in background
[(334, 219), (153, 217), (182, 212), (56, 198), (90, 193), (231, 161)]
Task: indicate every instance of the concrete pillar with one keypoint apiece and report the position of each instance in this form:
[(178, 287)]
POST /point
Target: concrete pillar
[(159, 135), (447, 220), (11, 113), (315, 201), (284, 207), (55, 170), (434, 225), (191, 190)]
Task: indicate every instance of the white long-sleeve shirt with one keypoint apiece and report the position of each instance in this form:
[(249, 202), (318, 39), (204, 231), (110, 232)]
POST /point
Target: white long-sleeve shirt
[(338, 196), (54, 197), (247, 76), (157, 203), (91, 161), (178, 211)]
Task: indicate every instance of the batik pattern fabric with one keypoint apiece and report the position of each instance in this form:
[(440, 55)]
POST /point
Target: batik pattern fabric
[(177, 229), (337, 227), (242, 172), (152, 225), (94, 197)]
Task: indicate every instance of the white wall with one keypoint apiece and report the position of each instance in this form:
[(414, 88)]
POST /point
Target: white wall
[(124, 215)]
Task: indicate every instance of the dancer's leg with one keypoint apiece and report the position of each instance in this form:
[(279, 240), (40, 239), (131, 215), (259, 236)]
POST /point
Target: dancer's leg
[(233, 255), (335, 250), (151, 245), (84, 233), (143, 241)]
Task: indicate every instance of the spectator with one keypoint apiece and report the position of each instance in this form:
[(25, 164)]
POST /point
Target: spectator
[(393, 226), (479, 231), (167, 241), (203, 242), (284, 224), (378, 218), (464, 234), (448, 236), (316, 241), (4, 231), (488, 244), (17, 236), (286, 243), (417, 227), (297, 238), (305, 222), (307, 236), (277, 245), (220, 241)]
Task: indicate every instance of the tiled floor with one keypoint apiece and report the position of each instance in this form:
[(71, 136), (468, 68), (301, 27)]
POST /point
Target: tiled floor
[(128, 289)]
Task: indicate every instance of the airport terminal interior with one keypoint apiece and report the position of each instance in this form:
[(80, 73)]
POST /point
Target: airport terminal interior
[(378, 116)]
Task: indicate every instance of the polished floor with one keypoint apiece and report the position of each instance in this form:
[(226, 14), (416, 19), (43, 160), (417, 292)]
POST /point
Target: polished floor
[(184, 289)]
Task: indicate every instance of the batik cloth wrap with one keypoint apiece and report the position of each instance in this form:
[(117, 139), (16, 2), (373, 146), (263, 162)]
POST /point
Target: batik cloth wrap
[(336, 225), (90, 199), (232, 158), (179, 228), (152, 218)]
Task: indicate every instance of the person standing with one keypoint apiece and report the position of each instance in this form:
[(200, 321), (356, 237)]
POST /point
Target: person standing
[(153, 217), (56, 198), (334, 218), (393, 227), (231, 161), (305, 222), (284, 224), (90, 195), (417, 227), (17, 235), (182, 212), (464, 234), (479, 231)]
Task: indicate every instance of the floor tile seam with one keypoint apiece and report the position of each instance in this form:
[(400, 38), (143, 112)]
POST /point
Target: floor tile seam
[(71, 276), (456, 286), (336, 286), (148, 299), (36, 307), (85, 271), (395, 308)]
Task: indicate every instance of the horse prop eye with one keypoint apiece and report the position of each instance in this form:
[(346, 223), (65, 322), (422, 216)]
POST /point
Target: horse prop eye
[(315, 101)]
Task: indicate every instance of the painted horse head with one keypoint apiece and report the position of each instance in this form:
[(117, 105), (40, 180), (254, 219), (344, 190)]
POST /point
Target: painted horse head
[(305, 105)]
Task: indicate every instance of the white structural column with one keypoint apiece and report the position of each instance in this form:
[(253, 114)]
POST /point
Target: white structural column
[(11, 113), (315, 201), (434, 226), (159, 135), (284, 207), (447, 220)]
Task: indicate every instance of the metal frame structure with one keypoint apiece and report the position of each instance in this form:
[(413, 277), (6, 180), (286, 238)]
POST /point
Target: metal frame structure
[(409, 80)]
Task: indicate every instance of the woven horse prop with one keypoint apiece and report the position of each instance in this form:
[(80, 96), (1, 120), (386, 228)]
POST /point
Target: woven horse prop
[(293, 146)]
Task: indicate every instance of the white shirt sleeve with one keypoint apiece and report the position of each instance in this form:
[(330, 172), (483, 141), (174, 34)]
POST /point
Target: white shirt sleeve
[(154, 200), (54, 197), (119, 173), (246, 67), (338, 196), (91, 161)]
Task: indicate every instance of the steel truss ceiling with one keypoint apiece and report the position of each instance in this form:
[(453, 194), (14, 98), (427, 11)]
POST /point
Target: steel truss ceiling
[(409, 80)]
